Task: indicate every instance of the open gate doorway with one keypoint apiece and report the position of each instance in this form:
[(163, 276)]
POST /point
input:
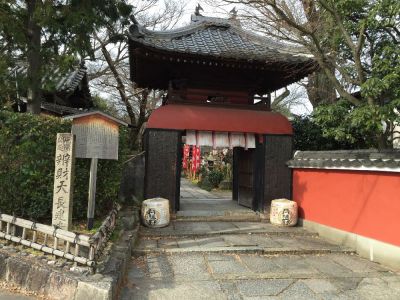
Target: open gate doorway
[(200, 195)]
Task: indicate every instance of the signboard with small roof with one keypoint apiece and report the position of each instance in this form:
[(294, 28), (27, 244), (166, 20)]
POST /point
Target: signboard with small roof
[(96, 137)]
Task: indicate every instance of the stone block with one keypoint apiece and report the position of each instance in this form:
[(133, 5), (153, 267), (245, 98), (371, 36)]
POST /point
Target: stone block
[(189, 266), (60, 286), (17, 271), (101, 290), (299, 291), (113, 268), (228, 267), (260, 264), (263, 287), (3, 265), (129, 222), (319, 285), (37, 279)]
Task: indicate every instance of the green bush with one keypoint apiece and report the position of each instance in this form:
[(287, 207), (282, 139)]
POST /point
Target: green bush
[(205, 184), (309, 135), (27, 149), (215, 177)]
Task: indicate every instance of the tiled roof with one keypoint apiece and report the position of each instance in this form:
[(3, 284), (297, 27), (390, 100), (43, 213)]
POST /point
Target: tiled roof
[(386, 160), (63, 81), (220, 38), (59, 109)]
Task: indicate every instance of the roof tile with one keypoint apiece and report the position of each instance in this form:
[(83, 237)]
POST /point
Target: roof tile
[(347, 159), (219, 38)]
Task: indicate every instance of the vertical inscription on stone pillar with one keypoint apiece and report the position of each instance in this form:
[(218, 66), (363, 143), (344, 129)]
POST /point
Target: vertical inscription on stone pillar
[(63, 181)]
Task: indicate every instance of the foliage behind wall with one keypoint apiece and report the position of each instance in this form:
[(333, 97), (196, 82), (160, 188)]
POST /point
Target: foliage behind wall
[(27, 148), (310, 135)]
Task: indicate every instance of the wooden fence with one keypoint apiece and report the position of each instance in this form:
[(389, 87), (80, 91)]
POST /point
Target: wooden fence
[(79, 248)]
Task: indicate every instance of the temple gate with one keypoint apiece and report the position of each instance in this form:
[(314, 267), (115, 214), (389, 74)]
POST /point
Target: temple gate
[(219, 78)]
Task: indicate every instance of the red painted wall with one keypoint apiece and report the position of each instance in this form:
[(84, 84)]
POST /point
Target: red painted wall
[(365, 203)]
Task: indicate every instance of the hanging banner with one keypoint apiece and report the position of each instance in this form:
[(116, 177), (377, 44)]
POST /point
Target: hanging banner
[(193, 159), (196, 159), (186, 149)]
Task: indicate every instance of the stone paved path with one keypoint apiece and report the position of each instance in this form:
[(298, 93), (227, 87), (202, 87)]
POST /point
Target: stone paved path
[(197, 204), (246, 276), (169, 268), (191, 191)]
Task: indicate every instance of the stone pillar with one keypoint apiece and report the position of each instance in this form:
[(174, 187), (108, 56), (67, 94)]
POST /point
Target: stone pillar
[(163, 165), (278, 176), (63, 181)]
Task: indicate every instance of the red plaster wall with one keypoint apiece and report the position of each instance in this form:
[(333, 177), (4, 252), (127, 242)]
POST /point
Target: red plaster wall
[(365, 203)]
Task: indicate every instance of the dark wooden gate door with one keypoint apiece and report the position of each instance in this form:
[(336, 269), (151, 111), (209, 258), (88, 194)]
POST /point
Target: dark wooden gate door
[(245, 178)]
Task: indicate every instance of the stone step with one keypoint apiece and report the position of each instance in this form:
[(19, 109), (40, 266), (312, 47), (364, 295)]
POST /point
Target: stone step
[(220, 216), (237, 218), (243, 250), (197, 229), (242, 243)]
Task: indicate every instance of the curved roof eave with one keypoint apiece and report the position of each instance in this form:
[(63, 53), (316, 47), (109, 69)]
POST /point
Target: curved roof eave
[(184, 40), (219, 119)]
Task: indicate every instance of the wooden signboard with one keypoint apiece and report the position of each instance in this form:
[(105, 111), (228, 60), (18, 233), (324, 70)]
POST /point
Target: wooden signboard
[(63, 181), (97, 137)]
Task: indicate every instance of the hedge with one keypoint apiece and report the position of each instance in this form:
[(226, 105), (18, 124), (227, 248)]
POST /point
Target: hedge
[(27, 149)]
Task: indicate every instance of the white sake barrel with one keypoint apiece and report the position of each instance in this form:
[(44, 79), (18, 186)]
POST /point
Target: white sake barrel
[(155, 212), (283, 212)]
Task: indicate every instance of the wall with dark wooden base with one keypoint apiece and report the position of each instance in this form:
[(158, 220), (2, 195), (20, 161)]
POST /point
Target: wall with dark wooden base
[(163, 158), (277, 175)]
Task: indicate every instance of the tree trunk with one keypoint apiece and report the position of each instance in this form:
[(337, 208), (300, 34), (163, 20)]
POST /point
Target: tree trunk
[(34, 59), (320, 89), (383, 142), (122, 93)]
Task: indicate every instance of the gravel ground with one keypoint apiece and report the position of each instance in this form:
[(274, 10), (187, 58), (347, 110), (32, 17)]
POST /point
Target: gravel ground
[(12, 292)]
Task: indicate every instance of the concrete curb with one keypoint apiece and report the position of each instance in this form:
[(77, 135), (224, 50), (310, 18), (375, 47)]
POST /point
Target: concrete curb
[(374, 250)]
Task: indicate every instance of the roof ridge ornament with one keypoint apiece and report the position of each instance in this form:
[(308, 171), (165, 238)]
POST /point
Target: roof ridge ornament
[(135, 28), (197, 10), (133, 19), (233, 13)]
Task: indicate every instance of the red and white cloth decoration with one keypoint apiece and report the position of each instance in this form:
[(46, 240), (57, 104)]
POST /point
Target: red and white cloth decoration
[(186, 150), (220, 139), (196, 158)]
